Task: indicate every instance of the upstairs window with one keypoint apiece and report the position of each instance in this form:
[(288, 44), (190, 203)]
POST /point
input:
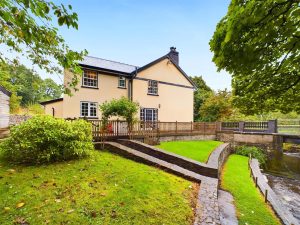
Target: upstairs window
[(88, 109), (122, 82), (90, 79), (153, 87)]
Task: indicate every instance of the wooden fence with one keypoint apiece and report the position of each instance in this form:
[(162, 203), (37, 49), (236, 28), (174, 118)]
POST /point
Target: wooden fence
[(115, 129)]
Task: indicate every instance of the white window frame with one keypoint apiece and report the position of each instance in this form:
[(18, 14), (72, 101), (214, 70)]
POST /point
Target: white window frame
[(90, 106), (85, 78), (154, 114), (121, 78), (152, 87)]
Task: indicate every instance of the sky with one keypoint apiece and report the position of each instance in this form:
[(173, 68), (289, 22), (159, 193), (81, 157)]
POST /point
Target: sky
[(138, 31)]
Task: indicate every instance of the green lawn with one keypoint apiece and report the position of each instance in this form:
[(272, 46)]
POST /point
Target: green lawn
[(104, 189), (197, 150), (248, 200)]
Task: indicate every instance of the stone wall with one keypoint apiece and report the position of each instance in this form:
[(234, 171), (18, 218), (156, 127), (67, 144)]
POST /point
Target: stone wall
[(17, 119), (286, 217), (187, 138), (265, 141)]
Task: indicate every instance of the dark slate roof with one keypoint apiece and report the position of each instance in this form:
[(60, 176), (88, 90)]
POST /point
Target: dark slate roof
[(2, 89), (51, 101), (126, 69), (175, 64), (108, 64)]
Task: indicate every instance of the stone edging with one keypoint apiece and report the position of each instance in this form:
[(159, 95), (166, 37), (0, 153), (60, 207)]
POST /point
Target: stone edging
[(286, 217), (207, 211), (186, 163)]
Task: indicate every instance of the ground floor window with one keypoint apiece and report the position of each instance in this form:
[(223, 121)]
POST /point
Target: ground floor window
[(149, 114), (88, 109)]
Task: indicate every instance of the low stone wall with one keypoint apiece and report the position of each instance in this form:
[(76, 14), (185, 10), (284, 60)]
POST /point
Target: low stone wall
[(187, 138), (186, 163), (219, 156), (17, 119), (286, 217), (265, 141)]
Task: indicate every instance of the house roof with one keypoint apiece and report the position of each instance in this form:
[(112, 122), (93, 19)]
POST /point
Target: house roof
[(129, 70), (2, 89), (107, 64), (51, 101), (175, 64)]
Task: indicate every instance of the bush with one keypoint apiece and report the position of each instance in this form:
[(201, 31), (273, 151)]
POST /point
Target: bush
[(44, 139), (254, 151)]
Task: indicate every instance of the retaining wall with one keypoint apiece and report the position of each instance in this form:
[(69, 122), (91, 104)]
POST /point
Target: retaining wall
[(286, 217), (265, 141), (187, 137), (17, 119)]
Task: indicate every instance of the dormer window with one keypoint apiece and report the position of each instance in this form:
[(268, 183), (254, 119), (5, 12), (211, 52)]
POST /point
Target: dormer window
[(152, 87), (122, 82), (90, 79)]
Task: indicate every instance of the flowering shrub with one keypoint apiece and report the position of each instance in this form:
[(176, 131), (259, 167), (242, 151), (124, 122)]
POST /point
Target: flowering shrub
[(44, 139)]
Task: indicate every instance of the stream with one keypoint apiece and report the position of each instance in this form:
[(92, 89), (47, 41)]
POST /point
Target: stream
[(283, 174)]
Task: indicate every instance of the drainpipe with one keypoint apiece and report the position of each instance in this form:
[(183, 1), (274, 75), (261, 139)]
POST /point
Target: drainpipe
[(131, 83)]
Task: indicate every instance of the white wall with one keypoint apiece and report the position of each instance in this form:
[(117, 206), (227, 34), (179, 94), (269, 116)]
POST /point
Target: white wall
[(4, 110)]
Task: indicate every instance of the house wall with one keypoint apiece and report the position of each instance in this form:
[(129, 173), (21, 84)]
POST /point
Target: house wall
[(58, 109), (107, 90), (4, 110), (174, 103)]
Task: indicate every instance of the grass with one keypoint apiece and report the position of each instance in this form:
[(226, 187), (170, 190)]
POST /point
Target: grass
[(249, 202), (103, 189), (197, 150)]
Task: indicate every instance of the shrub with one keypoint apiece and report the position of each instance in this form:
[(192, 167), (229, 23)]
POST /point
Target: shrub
[(254, 151), (44, 139)]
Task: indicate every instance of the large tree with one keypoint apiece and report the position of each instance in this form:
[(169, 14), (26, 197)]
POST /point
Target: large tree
[(258, 43), (200, 94), (28, 27)]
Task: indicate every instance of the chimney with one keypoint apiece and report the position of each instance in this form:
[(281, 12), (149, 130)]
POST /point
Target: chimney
[(174, 55)]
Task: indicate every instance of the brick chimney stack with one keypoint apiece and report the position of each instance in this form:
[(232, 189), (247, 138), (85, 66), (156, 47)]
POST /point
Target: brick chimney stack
[(174, 55)]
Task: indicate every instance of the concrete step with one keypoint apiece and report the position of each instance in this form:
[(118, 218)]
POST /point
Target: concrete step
[(186, 163), (149, 160)]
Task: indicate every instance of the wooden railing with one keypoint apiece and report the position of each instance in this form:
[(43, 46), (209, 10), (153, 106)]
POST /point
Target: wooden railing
[(263, 127), (120, 129)]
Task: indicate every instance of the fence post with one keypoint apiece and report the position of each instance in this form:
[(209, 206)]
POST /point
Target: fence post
[(241, 126), (272, 126), (118, 127), (176, 128), (191, 127)]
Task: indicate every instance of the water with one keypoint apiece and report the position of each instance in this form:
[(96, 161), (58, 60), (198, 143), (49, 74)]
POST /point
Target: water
[(283, 173)]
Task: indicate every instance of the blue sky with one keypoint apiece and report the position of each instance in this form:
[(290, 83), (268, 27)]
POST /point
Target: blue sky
[(138, 31)]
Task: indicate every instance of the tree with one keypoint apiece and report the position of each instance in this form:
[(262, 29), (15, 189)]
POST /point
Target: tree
[(27, 87), (26, 26), (216, 107), (258, 43), (200, 94), (122, 107)]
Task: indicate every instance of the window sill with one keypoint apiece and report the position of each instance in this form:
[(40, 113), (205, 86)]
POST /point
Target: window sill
[(152, 94), (88, 117), (122, 87), (89, 87)]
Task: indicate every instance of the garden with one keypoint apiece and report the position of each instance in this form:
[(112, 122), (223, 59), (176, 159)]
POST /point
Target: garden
[(47, 179), (51, 174)]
